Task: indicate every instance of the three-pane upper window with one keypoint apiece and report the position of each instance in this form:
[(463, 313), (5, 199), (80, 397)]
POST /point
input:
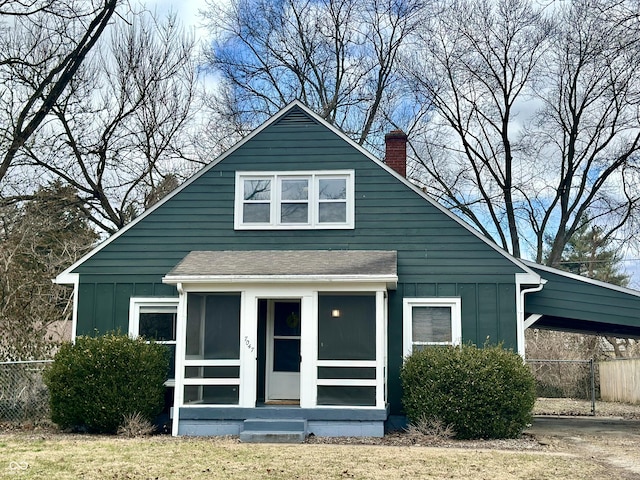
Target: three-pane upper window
[(292, 200)]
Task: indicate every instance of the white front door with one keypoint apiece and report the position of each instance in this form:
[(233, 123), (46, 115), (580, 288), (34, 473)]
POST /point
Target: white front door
[(283, 350)]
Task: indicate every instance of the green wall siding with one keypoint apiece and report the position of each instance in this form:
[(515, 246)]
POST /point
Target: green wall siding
[(103, 306), (488, 315), (436, 255), (575, 299)]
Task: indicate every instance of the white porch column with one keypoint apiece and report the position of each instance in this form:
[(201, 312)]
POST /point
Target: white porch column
[(248, 349), (181, 335), (381, 350), (309, 350)]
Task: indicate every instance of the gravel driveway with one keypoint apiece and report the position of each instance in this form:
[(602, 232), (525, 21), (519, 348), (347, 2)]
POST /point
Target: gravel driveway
[(610, 441)]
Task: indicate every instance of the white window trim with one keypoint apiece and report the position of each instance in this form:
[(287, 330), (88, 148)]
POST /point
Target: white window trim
[(313, 201), (149, 303), (454, 303)]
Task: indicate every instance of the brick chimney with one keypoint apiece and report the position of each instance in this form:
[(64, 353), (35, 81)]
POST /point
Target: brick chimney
[(396, 151)]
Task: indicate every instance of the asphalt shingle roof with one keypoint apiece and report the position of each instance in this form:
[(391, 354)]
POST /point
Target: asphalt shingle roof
[(287, 262)]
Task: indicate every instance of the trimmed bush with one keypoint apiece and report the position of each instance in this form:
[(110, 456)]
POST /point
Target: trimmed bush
[(479, 393), (98, 382)]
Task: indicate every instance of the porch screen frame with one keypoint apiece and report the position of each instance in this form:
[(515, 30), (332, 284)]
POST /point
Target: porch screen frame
[(221, 364)]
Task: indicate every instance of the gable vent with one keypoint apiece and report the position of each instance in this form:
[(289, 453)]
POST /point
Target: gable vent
[(296, 117)]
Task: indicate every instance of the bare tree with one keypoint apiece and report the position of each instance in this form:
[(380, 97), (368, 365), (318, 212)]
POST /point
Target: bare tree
[(589, 126), (39, 239), (120, 126), (479, 59), (535, 118), (42, 46), (339, 57)]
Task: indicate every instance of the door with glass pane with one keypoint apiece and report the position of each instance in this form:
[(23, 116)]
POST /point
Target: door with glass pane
[(283, 350)]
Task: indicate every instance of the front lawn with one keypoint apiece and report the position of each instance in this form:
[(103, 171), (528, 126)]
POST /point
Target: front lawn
[(65, 456)]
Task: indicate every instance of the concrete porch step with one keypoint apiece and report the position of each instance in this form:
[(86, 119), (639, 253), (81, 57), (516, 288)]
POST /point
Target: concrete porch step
[(261, 430)]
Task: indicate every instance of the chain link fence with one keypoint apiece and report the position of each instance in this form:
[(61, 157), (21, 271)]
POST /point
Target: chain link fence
[(23, 394), (576, 379)]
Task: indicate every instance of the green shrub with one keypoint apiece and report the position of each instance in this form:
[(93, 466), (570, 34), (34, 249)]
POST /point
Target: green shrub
[(479, 393), (97, 382)]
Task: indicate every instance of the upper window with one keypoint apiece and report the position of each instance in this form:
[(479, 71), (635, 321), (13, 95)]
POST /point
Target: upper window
[(431, 321), (155, 319), (294, 200)]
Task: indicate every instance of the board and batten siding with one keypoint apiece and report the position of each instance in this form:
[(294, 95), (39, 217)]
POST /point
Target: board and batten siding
[(436, 255)]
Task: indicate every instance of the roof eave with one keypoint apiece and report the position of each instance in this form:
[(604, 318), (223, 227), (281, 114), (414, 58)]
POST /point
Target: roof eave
[(580, 278), (391, 281)]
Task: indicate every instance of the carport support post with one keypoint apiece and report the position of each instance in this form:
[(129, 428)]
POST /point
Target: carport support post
[(593, 386)]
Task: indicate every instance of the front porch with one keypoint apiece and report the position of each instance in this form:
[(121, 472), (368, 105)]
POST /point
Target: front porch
[(283, 349)]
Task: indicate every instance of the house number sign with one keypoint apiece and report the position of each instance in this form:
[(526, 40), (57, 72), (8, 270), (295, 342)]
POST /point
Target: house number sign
[(248, 343)]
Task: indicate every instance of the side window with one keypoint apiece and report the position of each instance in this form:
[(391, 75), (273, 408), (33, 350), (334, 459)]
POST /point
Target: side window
[(155, 319), (431, 321)]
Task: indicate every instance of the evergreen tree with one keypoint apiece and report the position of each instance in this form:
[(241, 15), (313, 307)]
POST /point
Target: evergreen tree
[(591, 254)]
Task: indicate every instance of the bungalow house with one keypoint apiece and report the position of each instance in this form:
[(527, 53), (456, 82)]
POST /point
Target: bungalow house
[(292, 275)]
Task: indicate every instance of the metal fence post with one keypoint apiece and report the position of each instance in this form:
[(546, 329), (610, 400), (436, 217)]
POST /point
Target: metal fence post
[(593, 386)]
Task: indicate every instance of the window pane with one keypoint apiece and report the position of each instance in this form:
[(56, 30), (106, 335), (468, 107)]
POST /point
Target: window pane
[(256, 213), (222, 327), (361, 373), (339, 395), (158, 326), (346, 327), (286, 319), (332, 189), (211, 394), (211, 372), (332, 212), (257, 189), (295, 189), (431, 324), (171, 373), (294, 213), (286, 355), (195, 307), (213, 326)]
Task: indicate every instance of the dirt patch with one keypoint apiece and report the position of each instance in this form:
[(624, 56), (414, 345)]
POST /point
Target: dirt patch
[(575, 407), (404, 439), (610, 441)]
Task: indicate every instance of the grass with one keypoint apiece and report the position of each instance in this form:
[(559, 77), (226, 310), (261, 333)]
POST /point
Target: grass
[(62, 456), (569, 406), (35, 454)]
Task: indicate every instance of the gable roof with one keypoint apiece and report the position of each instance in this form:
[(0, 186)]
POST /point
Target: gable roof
[(295, 109)]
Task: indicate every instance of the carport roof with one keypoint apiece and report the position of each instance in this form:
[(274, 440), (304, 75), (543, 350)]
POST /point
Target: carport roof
[(573, 303)]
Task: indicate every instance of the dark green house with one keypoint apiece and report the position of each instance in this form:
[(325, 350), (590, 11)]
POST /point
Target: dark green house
[(292, 275)]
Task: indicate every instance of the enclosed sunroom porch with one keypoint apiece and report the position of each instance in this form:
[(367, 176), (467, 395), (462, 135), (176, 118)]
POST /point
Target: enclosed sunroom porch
[(282, 335)]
